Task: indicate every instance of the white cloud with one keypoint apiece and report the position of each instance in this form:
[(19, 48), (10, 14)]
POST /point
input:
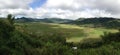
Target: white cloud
[(14, 7), (70, 9), (13, 4)]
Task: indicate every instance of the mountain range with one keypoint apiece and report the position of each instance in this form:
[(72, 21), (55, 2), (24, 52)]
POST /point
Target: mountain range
[(108, 22), (46, 20)]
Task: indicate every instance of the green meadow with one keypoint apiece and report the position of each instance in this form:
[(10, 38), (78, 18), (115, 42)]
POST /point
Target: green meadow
[(73, 33)]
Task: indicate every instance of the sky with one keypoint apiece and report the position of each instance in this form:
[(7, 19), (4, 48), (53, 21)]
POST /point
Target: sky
[(65, 9)]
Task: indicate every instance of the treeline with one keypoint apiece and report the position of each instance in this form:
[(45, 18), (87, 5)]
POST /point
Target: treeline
[(20, 42), (107, 22), (45, 20)]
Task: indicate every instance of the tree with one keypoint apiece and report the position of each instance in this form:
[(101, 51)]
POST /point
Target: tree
[(10, 19)]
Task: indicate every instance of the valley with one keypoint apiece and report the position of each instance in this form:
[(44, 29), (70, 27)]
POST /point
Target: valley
[(73, 33)]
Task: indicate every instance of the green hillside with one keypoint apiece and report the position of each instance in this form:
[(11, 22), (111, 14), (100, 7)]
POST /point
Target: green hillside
[(36, 38), (97, 22), (45, 20)]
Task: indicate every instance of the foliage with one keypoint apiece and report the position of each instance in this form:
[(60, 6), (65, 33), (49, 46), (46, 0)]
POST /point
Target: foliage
[(10, 19), (111, 37), (91, 43), (16, 42), (107, 22), (45, 20)]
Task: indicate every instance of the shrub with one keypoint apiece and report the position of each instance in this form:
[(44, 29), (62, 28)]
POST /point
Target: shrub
[(90, 43), (111, 37)]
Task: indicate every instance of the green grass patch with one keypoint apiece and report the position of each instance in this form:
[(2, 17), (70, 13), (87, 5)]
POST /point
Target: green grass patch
[(73, 33)]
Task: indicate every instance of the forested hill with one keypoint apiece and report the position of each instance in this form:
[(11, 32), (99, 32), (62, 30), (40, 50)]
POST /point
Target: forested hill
[(108, 22), (97, 22), (46, 20)]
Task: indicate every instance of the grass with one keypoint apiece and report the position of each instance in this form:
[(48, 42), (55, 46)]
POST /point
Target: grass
[(74, 33)]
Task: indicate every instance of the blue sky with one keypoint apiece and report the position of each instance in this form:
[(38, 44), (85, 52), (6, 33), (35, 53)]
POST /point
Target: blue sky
[(37, 3)]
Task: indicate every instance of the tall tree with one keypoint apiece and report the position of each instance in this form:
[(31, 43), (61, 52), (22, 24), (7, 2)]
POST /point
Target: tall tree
[(10, 19)]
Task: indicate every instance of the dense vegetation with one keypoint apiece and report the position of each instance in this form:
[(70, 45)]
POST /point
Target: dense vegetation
[(107, 22), (14, 41), (46, 20)]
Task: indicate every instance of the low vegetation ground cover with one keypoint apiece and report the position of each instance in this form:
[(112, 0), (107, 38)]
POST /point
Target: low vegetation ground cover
[(74, 33)]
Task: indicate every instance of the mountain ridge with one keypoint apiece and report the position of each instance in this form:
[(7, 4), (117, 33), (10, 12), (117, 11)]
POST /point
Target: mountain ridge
[(108, 22)]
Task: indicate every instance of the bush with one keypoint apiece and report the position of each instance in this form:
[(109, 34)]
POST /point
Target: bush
[(111, 37), (90, 43)]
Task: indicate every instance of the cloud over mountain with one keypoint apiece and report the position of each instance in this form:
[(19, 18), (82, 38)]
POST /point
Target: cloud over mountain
[(70, 9)]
